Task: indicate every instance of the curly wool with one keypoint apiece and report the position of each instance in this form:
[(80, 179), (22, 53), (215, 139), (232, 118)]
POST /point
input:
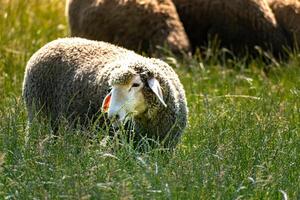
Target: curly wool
[(70, 77)]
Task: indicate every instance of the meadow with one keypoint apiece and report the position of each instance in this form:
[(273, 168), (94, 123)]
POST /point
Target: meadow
[(242, 142)]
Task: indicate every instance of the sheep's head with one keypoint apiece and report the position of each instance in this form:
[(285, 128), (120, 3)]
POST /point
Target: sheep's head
[(126, 99)]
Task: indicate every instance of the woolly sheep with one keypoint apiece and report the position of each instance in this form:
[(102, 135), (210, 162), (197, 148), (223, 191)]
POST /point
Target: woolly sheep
[(72, 78), (287, 13), (239, 24), (133, 24)]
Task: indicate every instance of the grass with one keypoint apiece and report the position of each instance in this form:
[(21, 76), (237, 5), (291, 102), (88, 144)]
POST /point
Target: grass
[(243, 139)]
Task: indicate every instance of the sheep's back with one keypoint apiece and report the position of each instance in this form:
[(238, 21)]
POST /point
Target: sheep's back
[(239, 24), (62, 78), (137, 25)]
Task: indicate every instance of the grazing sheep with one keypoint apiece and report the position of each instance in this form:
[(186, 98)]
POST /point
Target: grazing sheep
[(239, 24), (72, 78), (287, 13), (133, 24)]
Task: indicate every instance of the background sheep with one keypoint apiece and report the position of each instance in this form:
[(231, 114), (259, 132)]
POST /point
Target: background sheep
[(287, 13), (71, 78), (239, 24), (134, 24)]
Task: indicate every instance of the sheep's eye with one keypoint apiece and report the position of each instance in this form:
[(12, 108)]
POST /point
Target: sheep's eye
[(135, 85)]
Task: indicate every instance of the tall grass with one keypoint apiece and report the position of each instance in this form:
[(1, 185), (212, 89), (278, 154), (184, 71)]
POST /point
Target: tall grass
[(243, 139)]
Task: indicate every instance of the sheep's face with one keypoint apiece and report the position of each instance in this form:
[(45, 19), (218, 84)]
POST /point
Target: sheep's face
[(125, 100)]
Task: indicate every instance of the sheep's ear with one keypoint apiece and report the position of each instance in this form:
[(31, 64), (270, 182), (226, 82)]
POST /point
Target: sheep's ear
[(106, 103), (155, 87)]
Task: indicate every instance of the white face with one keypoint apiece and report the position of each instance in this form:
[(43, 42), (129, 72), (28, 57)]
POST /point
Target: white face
[(126, 101)]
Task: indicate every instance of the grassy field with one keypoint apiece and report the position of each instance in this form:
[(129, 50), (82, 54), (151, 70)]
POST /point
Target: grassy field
[(243, 139)]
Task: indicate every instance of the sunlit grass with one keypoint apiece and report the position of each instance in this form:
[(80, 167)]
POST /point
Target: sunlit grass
[(243, 139)]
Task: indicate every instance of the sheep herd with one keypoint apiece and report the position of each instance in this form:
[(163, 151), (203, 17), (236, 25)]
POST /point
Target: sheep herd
[(83, 80), (184, 25)]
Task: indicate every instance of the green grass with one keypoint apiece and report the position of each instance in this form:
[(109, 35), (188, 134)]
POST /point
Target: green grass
[(243, 139)]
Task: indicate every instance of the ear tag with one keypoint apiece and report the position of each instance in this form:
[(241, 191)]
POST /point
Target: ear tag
[(155, 87), (106, 103)]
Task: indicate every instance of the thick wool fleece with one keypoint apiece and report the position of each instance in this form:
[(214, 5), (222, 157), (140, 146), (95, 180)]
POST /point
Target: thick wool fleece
[(133, 24), (287, 13), (70, 77), (239, 24), (165, 123)]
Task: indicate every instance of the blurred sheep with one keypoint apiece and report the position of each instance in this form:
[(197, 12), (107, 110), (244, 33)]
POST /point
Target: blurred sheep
[(238, 24), (287, 13), (133, 24)]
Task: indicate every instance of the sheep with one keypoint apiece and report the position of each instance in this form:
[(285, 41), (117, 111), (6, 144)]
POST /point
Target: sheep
[(238, 24), (287, 13), (133, 24), (78, 79)]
